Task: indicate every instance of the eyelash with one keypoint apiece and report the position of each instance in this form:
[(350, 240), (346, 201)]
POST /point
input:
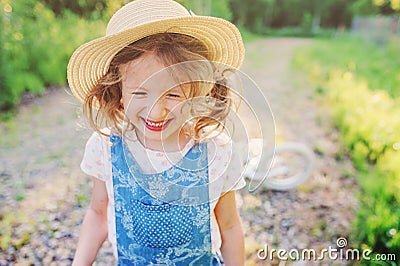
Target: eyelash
[(139, 93), (170, 95), (173, 95)]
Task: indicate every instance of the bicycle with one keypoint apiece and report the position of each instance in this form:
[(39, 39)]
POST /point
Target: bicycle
[(292, 163)]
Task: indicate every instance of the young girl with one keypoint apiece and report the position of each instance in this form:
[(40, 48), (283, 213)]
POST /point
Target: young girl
[(163, 188)]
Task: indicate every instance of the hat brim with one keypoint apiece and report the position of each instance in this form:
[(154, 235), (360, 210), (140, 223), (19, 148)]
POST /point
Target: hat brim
[(91, 61)]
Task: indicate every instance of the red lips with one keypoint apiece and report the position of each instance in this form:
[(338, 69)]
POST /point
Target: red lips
[(155, 125)]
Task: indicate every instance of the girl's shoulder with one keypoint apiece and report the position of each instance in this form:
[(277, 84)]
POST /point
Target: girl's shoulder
[(96, 158), (99, 139), (221, 146), (219, 139)]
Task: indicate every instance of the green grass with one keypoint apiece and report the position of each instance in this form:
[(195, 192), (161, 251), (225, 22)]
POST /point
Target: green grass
[(299, 32), (248, 36), (378, 66), (360, 83)]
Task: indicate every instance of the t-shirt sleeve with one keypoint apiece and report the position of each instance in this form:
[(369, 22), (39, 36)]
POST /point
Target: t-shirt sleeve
[(96, 157), (234, 179), (226, 167)]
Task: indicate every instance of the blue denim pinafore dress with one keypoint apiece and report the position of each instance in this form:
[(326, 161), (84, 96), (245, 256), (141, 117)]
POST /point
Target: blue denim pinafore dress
[(162, 218)]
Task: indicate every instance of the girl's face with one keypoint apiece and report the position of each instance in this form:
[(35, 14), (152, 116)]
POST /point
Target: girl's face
[(154, 103)]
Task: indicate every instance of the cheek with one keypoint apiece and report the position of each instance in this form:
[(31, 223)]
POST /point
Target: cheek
[(181, 110), (130, 107), (128, 102)]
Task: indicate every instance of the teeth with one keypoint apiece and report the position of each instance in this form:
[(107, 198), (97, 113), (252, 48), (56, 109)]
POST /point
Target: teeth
[(155, 124)]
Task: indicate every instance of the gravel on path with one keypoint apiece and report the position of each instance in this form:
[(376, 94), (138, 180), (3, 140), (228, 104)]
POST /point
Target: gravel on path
[(44, 194), (321, 210)]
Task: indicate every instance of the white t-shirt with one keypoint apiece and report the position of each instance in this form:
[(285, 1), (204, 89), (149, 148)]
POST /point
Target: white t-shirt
[(225, 171)]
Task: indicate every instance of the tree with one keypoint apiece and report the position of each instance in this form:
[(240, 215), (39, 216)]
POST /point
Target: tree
[(374, 7), (364, 8), (84, 9), (394, 5)]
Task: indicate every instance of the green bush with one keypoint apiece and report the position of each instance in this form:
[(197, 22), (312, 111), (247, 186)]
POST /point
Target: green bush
[(298, 32), (248, 36), (36, 46), (2, 57), (378, 66), (220, 8), (360, 84)]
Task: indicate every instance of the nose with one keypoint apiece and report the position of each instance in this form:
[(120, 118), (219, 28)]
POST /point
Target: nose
[(158, 110)]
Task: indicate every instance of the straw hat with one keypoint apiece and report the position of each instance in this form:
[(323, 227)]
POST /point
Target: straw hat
[(142, 18)]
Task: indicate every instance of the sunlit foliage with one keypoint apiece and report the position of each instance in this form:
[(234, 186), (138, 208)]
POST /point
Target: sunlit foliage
[(36, 46), (364, 96)]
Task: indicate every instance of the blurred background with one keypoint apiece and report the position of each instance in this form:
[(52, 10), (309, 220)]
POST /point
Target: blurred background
[(329, 68)]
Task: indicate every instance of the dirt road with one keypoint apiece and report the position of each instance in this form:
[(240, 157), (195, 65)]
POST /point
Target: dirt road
[(43, 193), (320, 211)]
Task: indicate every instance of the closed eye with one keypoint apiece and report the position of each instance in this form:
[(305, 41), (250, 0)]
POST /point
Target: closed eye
[(174, 95), (139, 93)]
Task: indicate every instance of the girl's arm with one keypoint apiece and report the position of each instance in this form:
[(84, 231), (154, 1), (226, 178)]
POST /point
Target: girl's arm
[(228, 219), (94, 227)]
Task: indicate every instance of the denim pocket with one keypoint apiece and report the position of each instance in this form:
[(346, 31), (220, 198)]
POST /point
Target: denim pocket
[(161, 226)]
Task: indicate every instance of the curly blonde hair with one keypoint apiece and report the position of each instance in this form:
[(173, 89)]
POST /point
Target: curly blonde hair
[(171, 48)]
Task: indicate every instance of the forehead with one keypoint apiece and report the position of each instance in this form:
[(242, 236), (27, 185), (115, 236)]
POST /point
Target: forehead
[(151, 73), (148, 70)]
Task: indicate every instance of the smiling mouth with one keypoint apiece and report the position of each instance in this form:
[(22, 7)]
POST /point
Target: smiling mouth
[(156, 125)]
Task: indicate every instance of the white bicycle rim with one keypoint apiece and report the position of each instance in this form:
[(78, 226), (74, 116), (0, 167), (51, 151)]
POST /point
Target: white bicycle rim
[(291, 181)]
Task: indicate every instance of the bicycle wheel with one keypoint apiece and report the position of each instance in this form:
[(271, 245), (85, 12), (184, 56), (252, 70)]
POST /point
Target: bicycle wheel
[(293, 164)]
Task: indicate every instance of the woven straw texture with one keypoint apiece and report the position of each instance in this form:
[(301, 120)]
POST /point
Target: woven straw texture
[(142, 18)]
